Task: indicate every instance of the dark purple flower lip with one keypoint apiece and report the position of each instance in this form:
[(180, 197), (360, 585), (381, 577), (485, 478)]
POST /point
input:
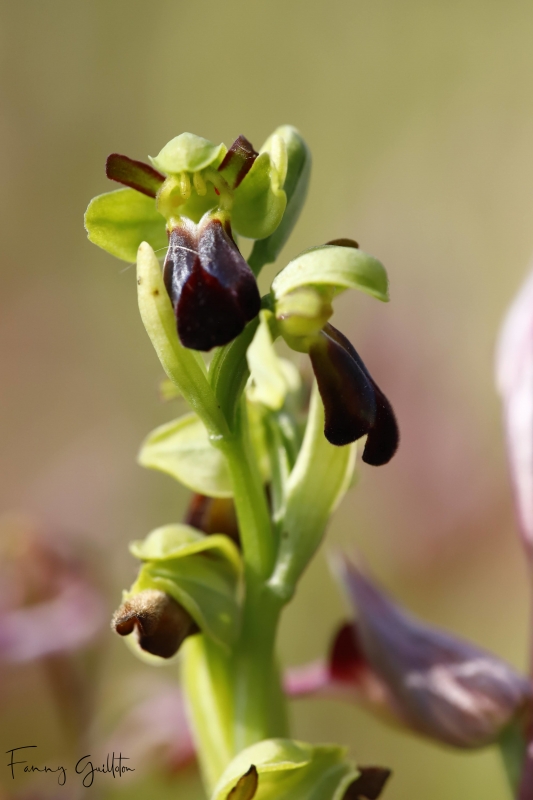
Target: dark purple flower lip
[(212, 289), (354, 404), (135, 174), (369, 785)]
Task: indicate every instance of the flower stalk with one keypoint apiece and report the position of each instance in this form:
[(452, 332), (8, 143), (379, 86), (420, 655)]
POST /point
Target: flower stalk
[(214, 598)]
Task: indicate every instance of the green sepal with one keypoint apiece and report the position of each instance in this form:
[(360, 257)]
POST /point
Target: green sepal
[(201, 575), (318, 482), (119, 221), (338, 267), (181, 448), (188, 153), (295, 187), (178, 541), (259, 201), (290, 770), (184, 367)]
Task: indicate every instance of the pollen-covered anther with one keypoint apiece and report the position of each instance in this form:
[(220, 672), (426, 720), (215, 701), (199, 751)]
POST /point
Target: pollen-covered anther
[(158, 621), (185, 185), (199, 184)]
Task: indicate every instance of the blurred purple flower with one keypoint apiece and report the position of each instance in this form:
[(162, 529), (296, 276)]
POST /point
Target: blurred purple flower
[(155, 734), (423, 678), (48, 604), (514, 374)]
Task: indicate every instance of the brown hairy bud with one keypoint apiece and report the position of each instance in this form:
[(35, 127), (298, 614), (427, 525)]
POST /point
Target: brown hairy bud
[(159, 622)]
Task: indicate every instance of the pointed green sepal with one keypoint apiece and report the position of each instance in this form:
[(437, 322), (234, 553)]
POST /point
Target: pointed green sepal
[(181, 448), (119, 221), (295, 186), (202, 573), (287, 770), (188, 153), (338, 267), (259, 201), (318, 482)]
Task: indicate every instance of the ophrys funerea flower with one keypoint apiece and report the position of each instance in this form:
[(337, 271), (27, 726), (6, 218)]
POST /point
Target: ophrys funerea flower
[(197, 196)]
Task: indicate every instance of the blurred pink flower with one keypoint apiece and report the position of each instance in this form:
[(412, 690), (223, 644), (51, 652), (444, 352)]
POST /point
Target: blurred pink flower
[(155, 733), (417, 676), (514, 375), (48, 603)]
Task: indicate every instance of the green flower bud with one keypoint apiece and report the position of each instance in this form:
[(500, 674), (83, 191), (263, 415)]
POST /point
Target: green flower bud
[(285, 769)]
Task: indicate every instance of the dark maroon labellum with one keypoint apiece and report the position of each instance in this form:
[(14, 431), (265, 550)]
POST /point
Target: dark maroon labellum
[(213, 515), (213, 290), (135, 174), (238, 161), (354, 404), (369, 785)]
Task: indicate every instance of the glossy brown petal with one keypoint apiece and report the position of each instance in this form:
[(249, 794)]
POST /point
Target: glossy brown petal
[(440, 685), (238, 161), (369, 785), (383, 434), (135, 174), (346, 391), (160, 623)]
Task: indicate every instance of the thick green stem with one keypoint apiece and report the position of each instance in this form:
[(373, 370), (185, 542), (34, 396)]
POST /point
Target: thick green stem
[(260, 707), (260, 711)]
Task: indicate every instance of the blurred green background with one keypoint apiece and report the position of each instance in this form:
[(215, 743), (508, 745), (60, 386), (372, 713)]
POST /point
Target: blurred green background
[(419, 115)]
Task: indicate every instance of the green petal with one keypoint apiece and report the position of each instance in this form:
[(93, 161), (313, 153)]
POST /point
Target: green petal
[(331, 265), (320, 478), (203, 576), (188, 153), (119, 221), (295, 187), (259, 202), (182, 449), (290, 770), (178, 541)]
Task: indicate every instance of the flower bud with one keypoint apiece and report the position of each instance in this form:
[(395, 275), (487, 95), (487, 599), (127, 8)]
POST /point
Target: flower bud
[(158, 621)]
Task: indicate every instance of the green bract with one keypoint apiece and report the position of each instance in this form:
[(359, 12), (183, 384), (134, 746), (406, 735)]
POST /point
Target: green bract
[(188, 153), (182, 449), (202, 573), (119, 221), (288, 770), (318, 482), (337, 267)]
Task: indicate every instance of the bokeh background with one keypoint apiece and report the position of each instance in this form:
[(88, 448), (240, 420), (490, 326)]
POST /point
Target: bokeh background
[(419, 114)]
